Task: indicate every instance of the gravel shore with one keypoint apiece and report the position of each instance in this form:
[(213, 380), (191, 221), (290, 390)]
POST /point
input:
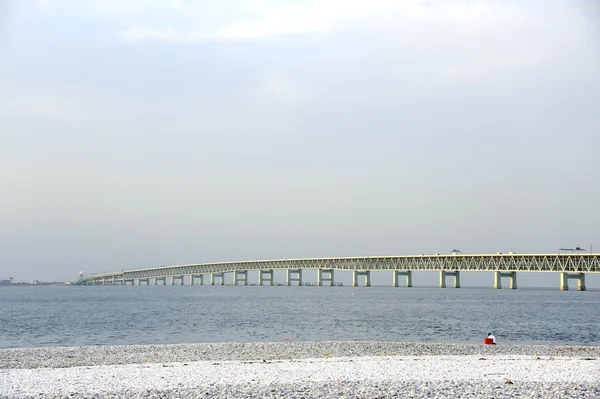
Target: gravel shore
[(302, 370)]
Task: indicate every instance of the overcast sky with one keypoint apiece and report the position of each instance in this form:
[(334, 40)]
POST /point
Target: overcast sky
[(143, 133)]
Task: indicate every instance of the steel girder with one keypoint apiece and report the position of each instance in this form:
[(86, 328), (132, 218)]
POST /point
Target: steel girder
[(587, 263)]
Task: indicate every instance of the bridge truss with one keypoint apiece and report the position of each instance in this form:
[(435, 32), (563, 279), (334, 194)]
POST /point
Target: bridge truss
[(565, 263)]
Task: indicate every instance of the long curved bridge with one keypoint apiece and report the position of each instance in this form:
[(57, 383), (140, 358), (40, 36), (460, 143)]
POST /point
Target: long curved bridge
[(570, 266)]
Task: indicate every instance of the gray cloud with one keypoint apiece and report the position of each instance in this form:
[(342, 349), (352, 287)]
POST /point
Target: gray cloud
[(396, 134)]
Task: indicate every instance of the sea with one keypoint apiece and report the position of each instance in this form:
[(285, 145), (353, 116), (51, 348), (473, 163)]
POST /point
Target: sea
[(116, 315)]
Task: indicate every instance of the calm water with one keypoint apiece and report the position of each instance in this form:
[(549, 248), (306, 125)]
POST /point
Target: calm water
[(73, 316)]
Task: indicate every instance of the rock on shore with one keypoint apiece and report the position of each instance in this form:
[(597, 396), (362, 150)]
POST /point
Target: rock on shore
[(302, 370)]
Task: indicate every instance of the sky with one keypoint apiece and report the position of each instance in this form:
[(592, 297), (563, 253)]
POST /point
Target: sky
[(143, 133)]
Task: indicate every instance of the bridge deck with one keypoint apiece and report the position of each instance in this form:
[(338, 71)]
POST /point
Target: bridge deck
[(572, 263)]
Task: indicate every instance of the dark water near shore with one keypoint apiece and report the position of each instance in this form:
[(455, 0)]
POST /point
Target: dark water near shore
[(74, 316)]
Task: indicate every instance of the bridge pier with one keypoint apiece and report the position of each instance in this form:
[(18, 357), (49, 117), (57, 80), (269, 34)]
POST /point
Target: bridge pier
[(398, 273), (144, 280), (498, 279), (220, 276), (199, 276), (357, 273), (173, 278), (321, 279), (564, 281), (455, 274), (262, 279), (240, 276), (163, 279), (132, 281), (289, 278), (502, 265)]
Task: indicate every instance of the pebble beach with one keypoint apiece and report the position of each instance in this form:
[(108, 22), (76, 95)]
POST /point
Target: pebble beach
[(302, 370)]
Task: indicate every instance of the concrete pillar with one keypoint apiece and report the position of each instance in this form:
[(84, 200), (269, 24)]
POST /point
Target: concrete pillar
[(497, 280), (113, 280), (271, 277), (180, 278), (213, 276), (513, 281), (357, 273), (321, 279), (240, 276), (397, 273), (564, 281), (445, 273), (289, 278), (581, 282), (262, 274)]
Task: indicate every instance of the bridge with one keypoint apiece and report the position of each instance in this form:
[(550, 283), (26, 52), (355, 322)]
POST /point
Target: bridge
[(569, 266)]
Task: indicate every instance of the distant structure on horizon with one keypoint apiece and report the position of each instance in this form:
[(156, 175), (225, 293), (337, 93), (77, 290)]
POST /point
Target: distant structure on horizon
[(577, 249), (6, 282)]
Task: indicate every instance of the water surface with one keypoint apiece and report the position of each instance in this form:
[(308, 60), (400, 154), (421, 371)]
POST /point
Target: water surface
[(116, 315)]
